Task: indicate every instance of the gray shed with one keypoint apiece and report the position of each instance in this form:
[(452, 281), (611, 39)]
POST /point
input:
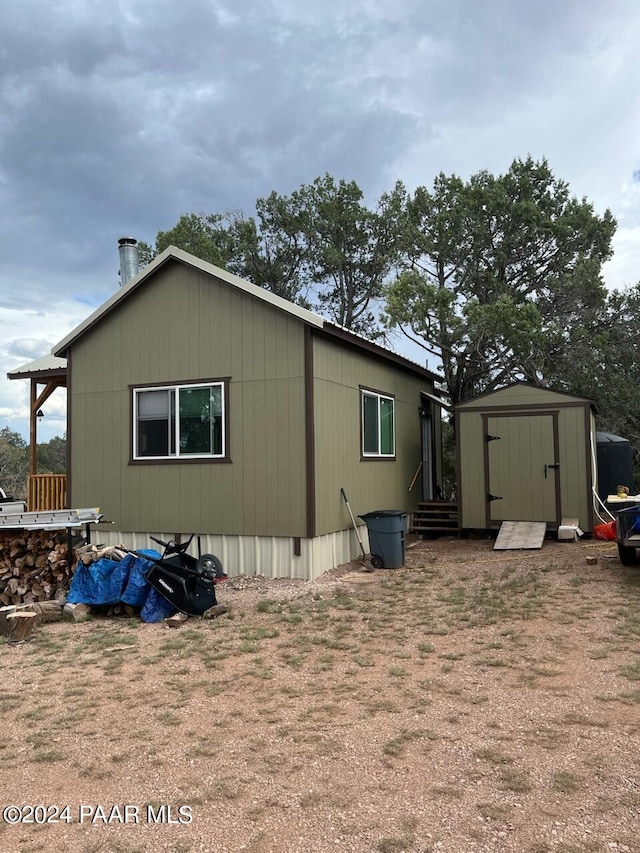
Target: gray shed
[(526, 453)]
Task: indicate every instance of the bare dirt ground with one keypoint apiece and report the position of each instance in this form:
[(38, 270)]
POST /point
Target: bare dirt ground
[(472, 701)]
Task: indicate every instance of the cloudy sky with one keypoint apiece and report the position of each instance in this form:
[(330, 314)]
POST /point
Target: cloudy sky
[(116, 117)]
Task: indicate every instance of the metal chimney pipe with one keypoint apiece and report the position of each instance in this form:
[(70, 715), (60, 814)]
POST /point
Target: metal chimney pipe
[(129, 260)]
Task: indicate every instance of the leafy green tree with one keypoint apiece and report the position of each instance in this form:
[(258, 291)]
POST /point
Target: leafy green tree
[(52, 456), (207, 236), (616, 388), (269, 254), (502, 276), (605, 367), (320, 247), (14, 463), (345, 250), (146, 253), (260, 251)]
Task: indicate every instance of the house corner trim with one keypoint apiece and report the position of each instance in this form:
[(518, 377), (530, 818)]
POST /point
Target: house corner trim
[(310, 446)]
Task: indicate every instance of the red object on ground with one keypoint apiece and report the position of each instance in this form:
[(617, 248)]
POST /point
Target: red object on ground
[(605, 531)]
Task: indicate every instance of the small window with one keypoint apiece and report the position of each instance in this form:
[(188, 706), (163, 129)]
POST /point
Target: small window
[(179, 422), (378, 425)]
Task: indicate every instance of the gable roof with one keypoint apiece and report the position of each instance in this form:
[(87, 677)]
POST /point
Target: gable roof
[(172, 253), (531, 386)]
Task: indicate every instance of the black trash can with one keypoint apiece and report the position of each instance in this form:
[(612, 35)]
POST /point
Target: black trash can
[(386, 537)]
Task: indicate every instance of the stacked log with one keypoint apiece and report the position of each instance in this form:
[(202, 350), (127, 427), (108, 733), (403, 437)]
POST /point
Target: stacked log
[(88, 554), (34, 566)]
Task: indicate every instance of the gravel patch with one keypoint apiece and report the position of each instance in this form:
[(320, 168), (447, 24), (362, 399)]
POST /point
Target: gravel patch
[(471, 701)]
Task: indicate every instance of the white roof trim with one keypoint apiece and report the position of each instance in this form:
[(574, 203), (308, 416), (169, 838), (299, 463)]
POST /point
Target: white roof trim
[(46, 362), (191, 260), (437, 400)]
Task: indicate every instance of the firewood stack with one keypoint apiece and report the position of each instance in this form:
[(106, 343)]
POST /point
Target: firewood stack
[(34, 565), (88, 554)]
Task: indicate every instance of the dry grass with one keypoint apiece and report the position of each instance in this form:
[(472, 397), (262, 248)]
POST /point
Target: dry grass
[(471, 701)]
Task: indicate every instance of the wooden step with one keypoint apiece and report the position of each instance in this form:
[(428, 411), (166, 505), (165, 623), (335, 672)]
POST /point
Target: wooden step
[(436, 517)]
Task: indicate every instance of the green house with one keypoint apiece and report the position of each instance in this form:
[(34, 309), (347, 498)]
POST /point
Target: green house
[(198, 402), (526, 453)]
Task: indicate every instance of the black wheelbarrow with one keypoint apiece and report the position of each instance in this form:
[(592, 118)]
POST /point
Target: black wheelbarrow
[(188, 582)]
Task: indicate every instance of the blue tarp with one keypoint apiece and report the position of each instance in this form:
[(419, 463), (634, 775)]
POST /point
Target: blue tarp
[(137, 588), (100, 583), (111, 582), (156, 607)]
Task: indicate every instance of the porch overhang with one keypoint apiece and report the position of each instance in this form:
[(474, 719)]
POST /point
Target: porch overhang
[(51, 372)]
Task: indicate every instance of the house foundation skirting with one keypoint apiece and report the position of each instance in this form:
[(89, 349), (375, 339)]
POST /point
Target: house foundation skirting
[(270, 556)]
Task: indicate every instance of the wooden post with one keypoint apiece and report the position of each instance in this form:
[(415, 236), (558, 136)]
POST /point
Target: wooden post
[(33, 446)]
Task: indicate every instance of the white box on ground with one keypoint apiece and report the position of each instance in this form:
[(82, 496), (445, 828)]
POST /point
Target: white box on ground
[(569, 530)]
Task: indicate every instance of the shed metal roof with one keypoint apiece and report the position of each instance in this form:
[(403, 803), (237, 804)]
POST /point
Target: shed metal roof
[(496, 393)]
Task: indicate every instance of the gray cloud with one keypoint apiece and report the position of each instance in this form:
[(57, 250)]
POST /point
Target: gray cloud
[(28, 348), (137, 118)]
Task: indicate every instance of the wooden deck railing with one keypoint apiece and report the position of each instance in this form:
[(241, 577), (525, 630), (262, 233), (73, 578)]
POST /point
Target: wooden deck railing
[(47, 491)]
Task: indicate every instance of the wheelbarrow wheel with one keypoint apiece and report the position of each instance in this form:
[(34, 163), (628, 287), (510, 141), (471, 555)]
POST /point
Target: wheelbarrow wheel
[(376, 562), (628, 555), (210, 566)]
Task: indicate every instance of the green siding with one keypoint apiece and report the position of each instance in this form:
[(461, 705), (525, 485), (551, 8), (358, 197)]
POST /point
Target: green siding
[(574, 475), (576, 470), (184, 324), (338, 374), (472, 491)]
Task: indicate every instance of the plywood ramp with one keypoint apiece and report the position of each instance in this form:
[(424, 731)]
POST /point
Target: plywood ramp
[(520, 535)]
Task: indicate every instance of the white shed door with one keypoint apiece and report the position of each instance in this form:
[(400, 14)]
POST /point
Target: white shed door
[(523, 469)]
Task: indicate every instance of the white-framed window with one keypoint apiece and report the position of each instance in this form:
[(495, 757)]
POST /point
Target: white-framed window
[(179, 422), (378, 424)]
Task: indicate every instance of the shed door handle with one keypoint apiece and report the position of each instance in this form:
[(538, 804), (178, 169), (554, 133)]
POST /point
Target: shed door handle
[(554, 465)]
